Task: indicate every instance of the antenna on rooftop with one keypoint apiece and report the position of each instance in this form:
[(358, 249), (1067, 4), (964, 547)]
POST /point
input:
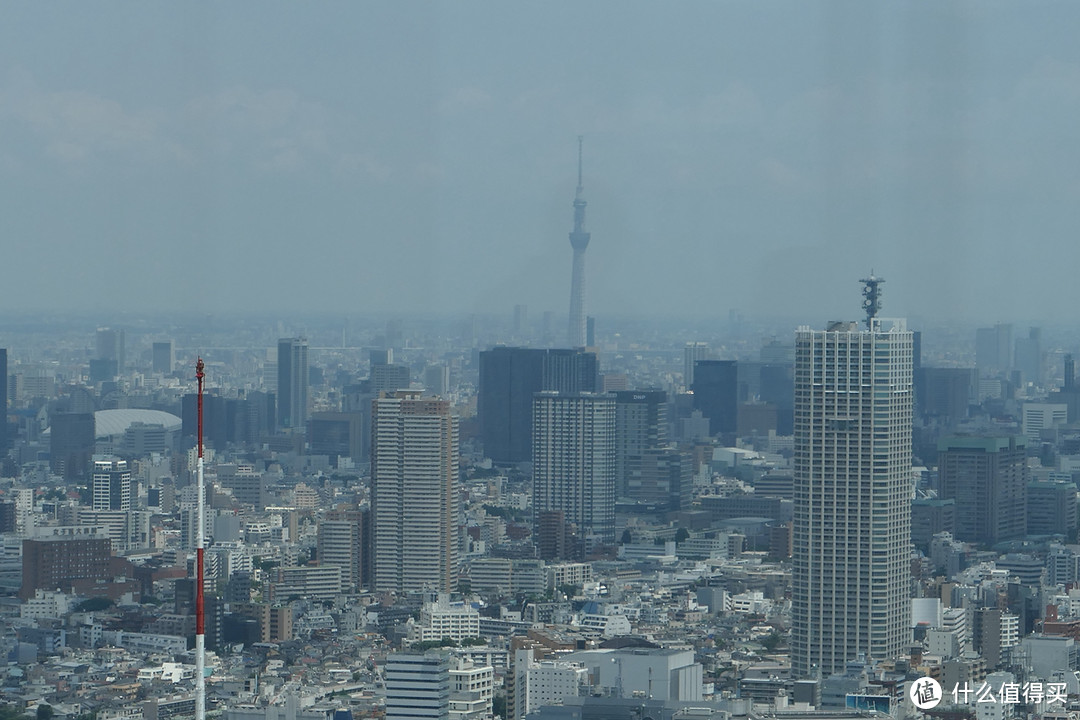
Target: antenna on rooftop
[(871, 297)]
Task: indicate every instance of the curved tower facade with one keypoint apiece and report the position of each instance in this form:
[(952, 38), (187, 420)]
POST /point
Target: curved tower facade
[(852, 510), (579, 241)]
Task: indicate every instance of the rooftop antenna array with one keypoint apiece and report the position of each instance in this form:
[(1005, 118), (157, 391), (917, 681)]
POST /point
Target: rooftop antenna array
[(871, 297)]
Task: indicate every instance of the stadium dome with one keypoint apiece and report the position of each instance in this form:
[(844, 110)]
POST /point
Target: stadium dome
[(110, 423)]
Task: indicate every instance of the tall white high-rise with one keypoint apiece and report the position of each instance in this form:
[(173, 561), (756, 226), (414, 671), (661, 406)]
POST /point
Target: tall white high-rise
[(852, 511), (574, 460), (414, 493)]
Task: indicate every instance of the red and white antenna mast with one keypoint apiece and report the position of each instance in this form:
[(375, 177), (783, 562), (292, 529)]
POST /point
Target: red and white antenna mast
[(200, 619)]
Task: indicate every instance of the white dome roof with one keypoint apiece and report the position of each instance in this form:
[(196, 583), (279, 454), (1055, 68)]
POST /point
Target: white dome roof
[(114, 422)]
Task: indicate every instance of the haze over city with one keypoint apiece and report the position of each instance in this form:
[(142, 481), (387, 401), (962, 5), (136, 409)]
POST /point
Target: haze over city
[(489, 361), (385, 157)]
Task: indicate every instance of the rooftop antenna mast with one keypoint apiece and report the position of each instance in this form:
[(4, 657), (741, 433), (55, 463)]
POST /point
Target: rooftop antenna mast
[(871, 297), (200, 619)]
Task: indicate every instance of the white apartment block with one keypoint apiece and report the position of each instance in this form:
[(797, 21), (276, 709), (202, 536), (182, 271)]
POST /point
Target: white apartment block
[(569, 574), (472, 689), (443, 619)]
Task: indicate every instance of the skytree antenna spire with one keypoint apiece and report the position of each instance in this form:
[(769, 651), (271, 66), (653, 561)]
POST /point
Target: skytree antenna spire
[(580, 187), (579, 240)]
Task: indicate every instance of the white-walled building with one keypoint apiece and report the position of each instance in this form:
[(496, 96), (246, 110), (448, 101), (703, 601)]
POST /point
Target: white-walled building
[(660, 673), (472, 689), (1042, 416), (548, 682), (445, 619), (46, 604)]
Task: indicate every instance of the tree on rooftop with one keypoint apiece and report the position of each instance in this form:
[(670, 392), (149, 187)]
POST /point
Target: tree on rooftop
[(95, 604)]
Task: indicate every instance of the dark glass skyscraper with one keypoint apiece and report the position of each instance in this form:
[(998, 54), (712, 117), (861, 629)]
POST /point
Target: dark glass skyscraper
[(778, 388), (716, 394), (640, 425), (292, 386), (988, 478), (71, 444), (509, 377)]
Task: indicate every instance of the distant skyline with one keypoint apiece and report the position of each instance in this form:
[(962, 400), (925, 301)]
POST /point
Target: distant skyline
[(376, 157)]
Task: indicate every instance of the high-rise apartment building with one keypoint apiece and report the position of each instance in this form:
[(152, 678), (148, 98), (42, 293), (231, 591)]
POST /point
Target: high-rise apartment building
[(110, 484), (987, 476), (574, 461), (292, 384), (509, 377), (852, 508), (640, 424), (414, 493), (340, 542)]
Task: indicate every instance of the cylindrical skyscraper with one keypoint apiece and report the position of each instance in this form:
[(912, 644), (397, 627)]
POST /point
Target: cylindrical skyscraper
[(579, 241), (852, 510)]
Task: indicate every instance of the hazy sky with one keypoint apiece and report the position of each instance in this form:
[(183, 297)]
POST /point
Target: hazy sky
[(421, 156)]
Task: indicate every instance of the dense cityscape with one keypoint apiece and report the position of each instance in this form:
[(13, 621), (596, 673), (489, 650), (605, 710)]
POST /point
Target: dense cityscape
[(538, 361), (466, 518)]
